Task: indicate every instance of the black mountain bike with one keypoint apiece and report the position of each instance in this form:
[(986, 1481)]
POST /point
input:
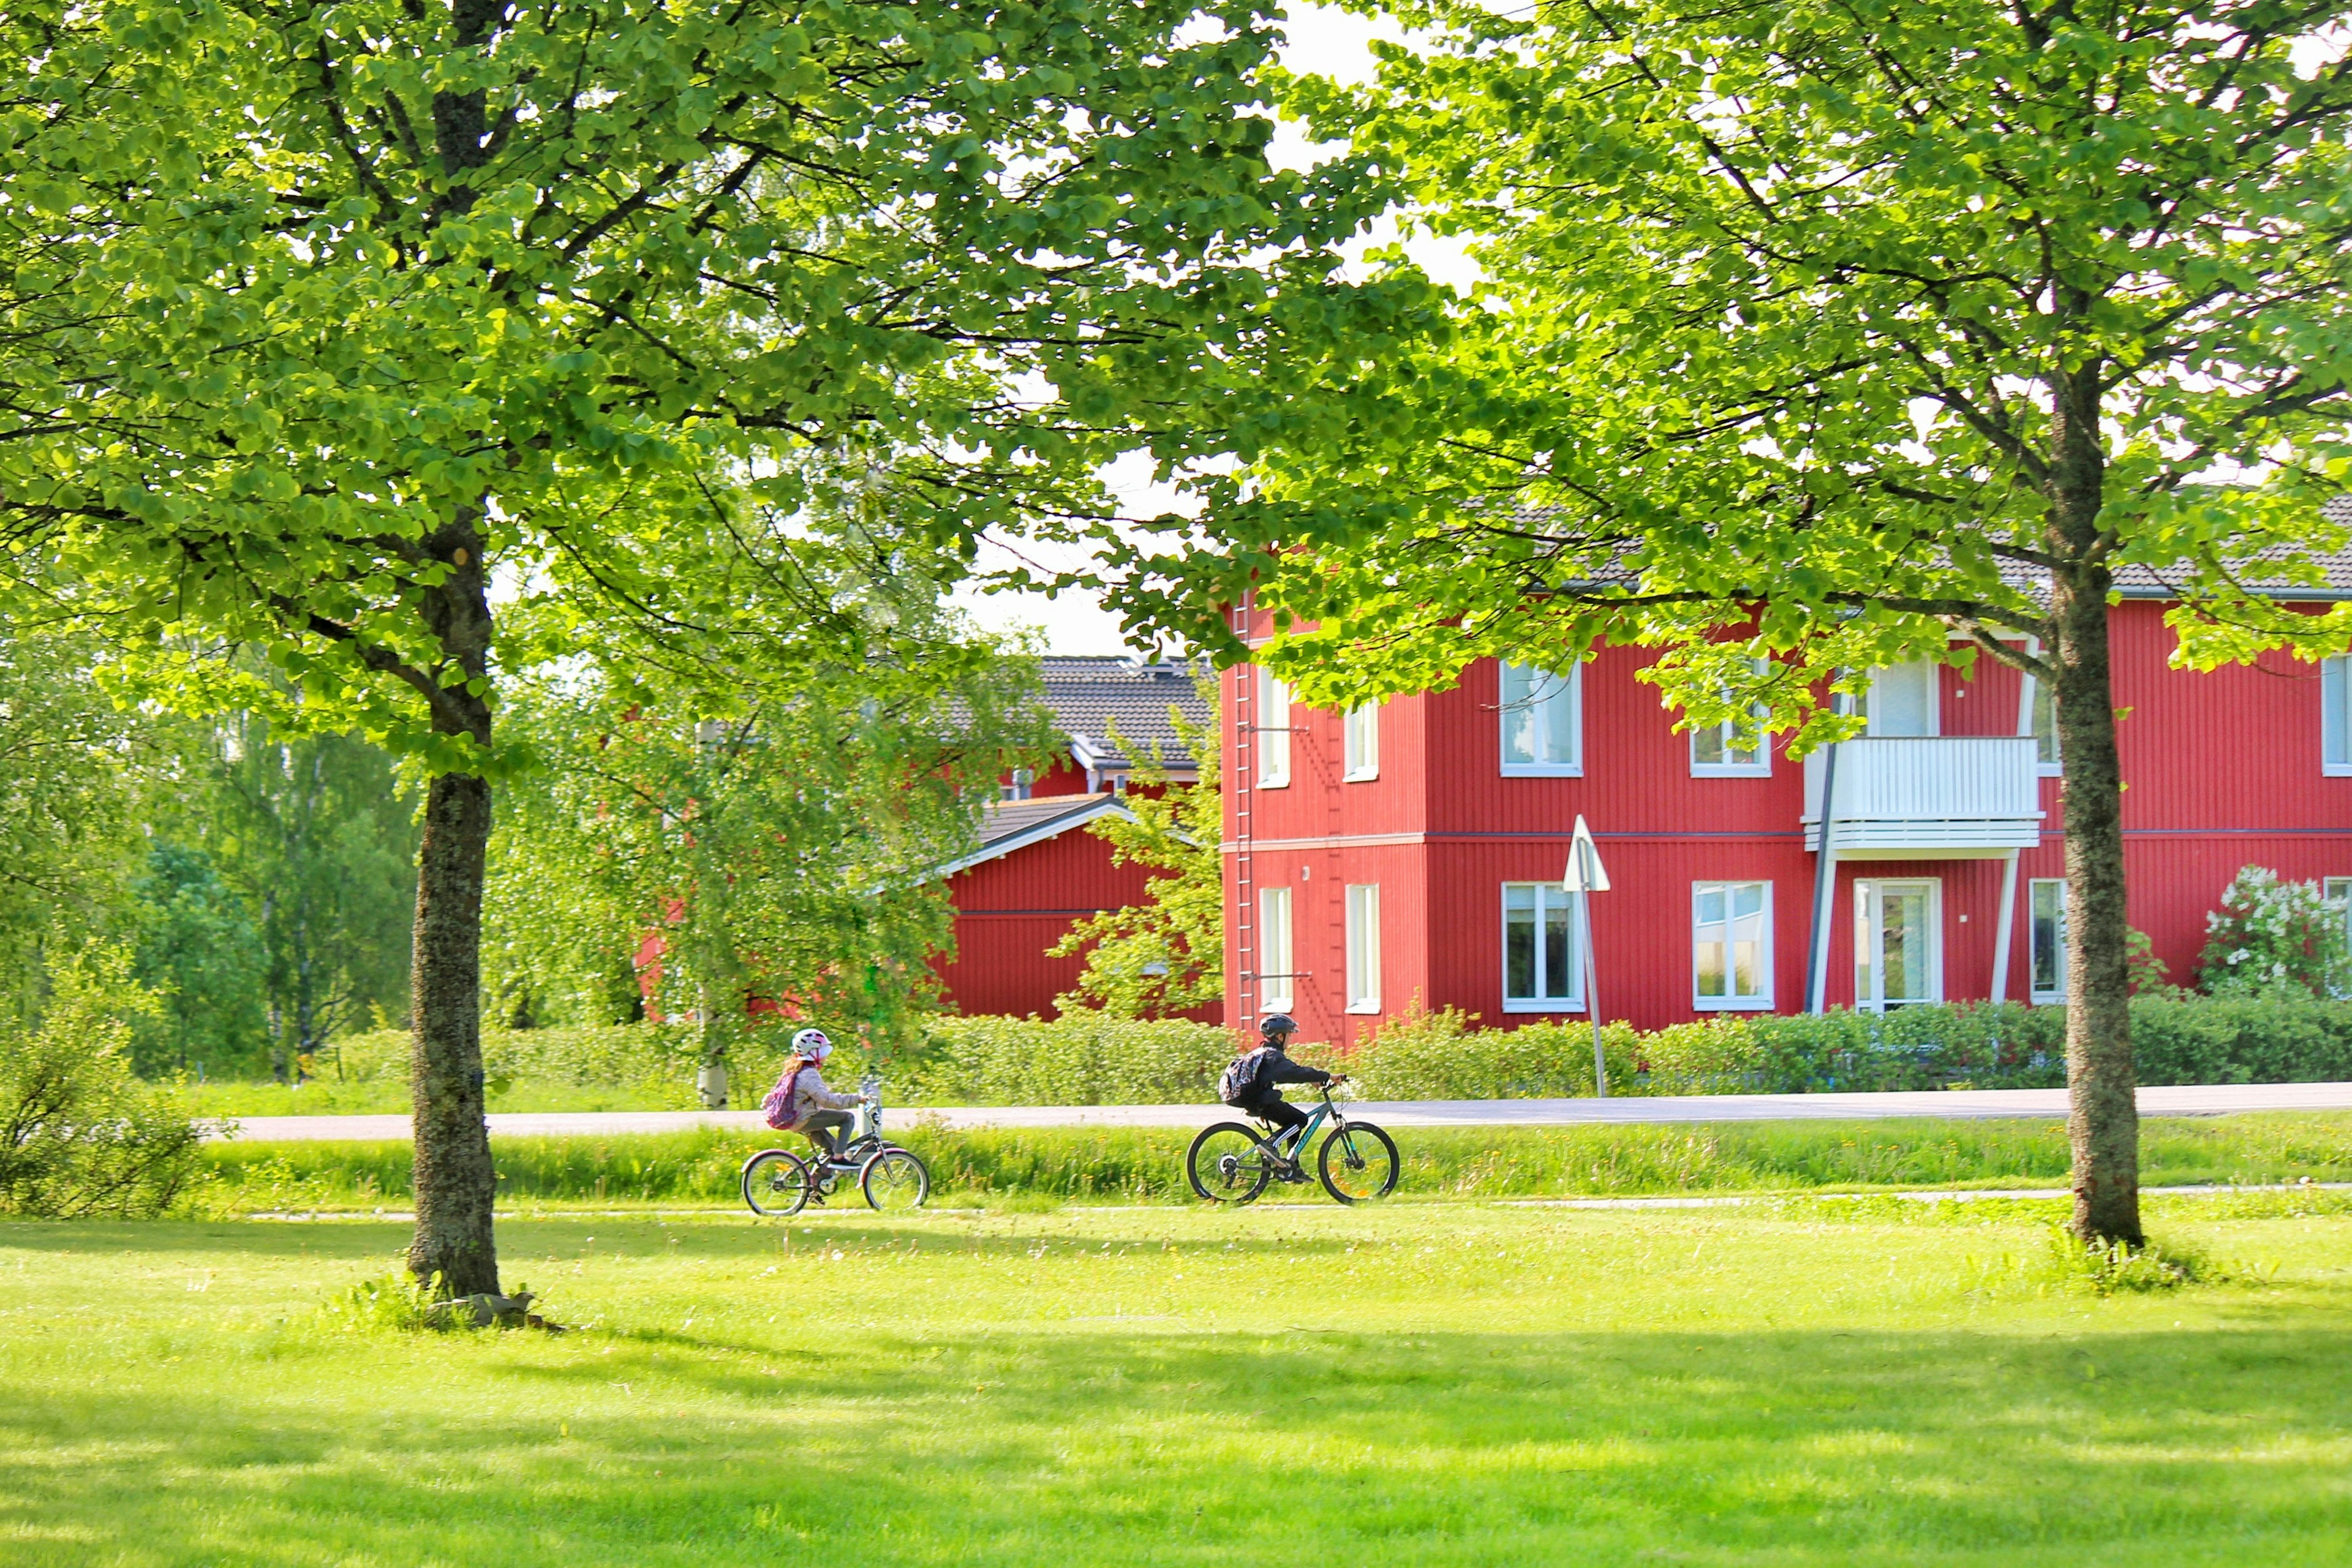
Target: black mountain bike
[(779, 1182), (1232, 1163)]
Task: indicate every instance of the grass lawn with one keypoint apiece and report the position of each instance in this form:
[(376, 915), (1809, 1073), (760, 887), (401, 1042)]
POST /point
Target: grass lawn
[(1453, 1383)]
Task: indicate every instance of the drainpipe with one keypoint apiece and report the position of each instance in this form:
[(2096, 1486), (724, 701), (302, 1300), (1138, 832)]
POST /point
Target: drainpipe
[(1817, 962)]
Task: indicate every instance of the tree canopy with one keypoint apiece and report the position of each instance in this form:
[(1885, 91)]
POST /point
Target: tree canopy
[(396, 304), (1812, 336)]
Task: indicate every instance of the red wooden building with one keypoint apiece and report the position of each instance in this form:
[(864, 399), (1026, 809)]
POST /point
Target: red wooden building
[(1411, 854), (1037, 869)]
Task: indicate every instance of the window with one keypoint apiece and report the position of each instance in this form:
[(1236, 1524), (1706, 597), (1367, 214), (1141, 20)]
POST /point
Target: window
[(2047, 936), (2334, 733), (1902, 700), (1715, 754), (1360, 737), (1276, 992), (1731, 945), (1898, 959), (1017, 786), (1363, 948), (2045, 725), (1543, 723), (1542, 971), (1272, 732)]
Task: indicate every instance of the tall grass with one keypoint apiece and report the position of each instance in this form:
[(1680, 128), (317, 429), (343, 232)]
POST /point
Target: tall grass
[(1144, 1164)]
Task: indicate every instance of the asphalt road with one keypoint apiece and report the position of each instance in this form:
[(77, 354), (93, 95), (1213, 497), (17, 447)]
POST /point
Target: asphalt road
[(2183, 1100)]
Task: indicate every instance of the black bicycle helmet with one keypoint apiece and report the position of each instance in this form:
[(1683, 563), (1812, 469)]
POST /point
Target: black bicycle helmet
[(1278, 1023)]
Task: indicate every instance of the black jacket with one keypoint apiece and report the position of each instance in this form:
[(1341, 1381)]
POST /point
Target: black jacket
[(1276, 1068)]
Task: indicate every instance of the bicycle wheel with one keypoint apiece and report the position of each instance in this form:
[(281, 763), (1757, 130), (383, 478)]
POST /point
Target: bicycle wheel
[(775, 1182), (1227, 1164), (894, 1179), (1359, 1163)]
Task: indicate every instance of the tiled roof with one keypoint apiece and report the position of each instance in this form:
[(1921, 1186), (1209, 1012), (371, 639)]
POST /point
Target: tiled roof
[(1089, 696)]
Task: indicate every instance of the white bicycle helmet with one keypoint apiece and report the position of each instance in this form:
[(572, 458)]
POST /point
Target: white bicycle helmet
[(813, 1043)]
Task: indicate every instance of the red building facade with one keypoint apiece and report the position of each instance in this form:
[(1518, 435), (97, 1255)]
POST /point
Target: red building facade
[(1411, 856)]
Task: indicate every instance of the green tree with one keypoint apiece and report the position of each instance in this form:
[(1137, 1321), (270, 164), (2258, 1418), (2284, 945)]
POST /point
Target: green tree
[(399, 299), (1814, 334), (76, 768), (320, 837), (775, 858), (199, 951), (762, 825), (1167, 957)]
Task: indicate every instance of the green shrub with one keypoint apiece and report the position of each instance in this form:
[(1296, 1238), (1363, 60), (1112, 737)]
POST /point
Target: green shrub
[(81, 1135), (2271, 937), (1080, 1059), (655, 1057)]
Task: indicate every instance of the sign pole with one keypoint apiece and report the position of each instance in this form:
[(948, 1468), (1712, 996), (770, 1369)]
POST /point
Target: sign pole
[(1592, 994), (1585, 878)]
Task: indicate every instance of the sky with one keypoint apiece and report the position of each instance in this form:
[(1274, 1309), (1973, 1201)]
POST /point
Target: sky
[(1322, 41)]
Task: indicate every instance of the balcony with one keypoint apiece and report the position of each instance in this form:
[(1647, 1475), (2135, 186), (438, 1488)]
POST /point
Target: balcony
[(1943, 797)]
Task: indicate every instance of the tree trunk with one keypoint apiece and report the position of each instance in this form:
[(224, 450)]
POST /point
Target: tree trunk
[(456, 1185), (2103, 1113)]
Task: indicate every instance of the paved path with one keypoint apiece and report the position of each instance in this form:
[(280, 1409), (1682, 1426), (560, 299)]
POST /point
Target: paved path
[(2186, 1099)]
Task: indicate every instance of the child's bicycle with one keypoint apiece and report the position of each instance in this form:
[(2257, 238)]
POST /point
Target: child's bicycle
[(1230, 1164), (779, 1182)]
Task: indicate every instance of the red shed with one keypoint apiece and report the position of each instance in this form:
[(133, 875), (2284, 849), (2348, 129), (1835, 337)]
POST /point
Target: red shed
[(1411, 853)]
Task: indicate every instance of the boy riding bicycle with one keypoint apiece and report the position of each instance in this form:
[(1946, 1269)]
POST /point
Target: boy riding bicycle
[(1254, 1083)]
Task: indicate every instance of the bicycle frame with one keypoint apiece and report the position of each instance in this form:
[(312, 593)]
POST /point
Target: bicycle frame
[(1327, 1111)]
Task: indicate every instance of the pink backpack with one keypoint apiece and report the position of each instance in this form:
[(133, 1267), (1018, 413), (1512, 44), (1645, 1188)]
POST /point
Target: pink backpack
[(778, 1107)]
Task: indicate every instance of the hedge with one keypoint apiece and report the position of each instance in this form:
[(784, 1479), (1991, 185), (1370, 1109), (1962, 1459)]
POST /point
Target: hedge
[(1091, 1058)]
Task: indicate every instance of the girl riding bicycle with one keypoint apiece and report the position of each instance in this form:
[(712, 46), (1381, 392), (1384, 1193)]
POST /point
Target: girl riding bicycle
[(801, 1104)]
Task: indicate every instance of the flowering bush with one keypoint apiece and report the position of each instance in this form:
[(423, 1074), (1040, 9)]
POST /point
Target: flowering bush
[(2271, 936)]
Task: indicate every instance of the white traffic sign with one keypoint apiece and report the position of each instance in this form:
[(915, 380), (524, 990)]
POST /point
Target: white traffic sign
[(1584, 874)]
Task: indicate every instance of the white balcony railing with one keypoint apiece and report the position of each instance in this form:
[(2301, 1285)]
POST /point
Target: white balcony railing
[(1929, 797)]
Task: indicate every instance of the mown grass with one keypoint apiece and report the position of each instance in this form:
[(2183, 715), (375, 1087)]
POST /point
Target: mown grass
[(1421, 1384), (1144, 1164)]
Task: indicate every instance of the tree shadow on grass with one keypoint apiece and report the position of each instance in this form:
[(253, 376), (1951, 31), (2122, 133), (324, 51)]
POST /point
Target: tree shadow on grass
[(1007, 1447), (522, 1239)]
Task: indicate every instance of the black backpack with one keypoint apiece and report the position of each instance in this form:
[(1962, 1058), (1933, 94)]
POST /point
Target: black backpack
[(1240, 1085)]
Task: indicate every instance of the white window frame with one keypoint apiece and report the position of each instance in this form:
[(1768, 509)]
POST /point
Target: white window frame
[(1544, 710), (1760, 762), (2035, 701), (1363, 910), (2335, 731), (1761, 1002), (2340, 887), (1360, 742), (1020, 785), (1869, 893), (1273, 708), (2035, 888), (1548, 895), (1934, 695), (1277, 984)]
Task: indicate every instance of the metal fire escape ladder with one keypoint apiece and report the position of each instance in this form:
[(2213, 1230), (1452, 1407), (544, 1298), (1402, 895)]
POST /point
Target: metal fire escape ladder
[(1243, 784)]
